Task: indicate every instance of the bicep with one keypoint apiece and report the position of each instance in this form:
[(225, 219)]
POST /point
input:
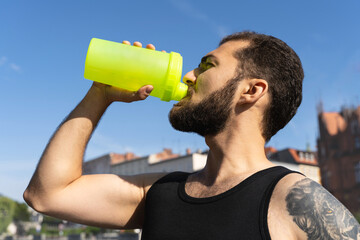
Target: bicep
[(318, 213), (103, 200)]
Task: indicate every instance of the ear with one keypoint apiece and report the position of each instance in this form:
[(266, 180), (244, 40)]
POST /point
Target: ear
[(253, 90)]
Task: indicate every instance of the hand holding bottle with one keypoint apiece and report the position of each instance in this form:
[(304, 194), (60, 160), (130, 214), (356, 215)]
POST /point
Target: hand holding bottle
[(131, 67), (115, 94)]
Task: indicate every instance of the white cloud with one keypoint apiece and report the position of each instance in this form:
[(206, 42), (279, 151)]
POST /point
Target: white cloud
[(189, 10), (15, 67), (101, 144), (3, 60), (221, 31)]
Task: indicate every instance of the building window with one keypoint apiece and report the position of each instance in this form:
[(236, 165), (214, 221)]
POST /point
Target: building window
[(354, 126), (326, 180), (357, 142), (357, 172), (323, 151)]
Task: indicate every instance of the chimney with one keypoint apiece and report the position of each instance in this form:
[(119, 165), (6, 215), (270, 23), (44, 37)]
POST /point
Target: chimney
[(129, 156), (167, 151), (188, 151)]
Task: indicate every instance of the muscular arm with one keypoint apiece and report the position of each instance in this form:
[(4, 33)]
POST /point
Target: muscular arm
[(58, 188), (319, 214)]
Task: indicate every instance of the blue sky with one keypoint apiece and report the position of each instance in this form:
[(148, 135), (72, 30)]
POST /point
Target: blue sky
[(43, 46)]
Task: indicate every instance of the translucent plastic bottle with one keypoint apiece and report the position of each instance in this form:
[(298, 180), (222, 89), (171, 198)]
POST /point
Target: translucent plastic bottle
[(129, 67)]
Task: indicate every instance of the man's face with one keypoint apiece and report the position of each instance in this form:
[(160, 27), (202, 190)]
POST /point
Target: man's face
[(212, 87)]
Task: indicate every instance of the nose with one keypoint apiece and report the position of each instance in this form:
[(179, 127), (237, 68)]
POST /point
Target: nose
[(190, 78)]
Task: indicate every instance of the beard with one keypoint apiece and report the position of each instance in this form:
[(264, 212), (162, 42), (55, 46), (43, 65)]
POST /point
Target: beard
[(208, 117)]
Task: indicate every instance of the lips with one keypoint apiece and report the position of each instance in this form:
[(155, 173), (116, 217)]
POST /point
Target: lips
[(188, 96)]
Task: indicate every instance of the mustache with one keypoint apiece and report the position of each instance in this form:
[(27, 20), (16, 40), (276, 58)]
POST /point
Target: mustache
[(190, 92)]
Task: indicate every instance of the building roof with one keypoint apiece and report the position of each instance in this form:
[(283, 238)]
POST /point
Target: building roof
[(166, 154), (270, 150), (294, 156), (118, 158), (337, 122), (333, 122)]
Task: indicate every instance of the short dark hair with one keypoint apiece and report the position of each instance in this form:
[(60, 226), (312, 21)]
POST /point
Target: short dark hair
[(273, 60)]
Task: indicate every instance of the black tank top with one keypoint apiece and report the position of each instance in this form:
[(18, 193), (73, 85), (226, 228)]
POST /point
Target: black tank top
[(239, 213)]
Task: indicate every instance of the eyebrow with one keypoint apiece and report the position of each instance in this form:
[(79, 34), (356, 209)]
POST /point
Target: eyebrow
[(212, 57)]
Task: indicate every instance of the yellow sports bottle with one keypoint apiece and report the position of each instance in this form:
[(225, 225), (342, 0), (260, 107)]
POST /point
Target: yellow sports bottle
[(129, 67)]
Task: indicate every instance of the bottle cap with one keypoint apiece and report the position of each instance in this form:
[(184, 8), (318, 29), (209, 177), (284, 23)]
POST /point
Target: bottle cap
[(174, 89)]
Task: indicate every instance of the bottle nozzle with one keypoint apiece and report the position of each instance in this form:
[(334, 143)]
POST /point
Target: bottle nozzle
[(180, 91)]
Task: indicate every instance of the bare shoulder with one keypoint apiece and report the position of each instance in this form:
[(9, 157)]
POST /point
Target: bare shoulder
[(310, 211)]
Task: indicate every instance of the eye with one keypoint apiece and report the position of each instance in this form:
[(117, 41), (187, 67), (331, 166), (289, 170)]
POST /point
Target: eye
[(205, 65)]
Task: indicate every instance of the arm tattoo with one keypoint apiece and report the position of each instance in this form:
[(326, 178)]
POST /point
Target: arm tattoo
[(319, 214)]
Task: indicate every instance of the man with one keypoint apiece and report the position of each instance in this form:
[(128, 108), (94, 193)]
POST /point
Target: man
[(241, 94)]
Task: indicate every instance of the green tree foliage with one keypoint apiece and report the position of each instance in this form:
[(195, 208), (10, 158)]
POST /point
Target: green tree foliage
[(51, 220), (7, 209), (89, 230), (10, 211), (21, 212)]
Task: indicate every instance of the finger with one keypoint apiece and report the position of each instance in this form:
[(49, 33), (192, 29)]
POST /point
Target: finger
[(144, 92), (137, 44), (163, 51), (126, 42), (150, 46)]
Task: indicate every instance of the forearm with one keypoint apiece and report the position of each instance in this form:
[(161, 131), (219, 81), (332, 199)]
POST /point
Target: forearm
[(61, 162)]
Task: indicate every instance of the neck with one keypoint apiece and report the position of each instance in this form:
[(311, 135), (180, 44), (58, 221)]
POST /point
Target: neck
[(235, 151)]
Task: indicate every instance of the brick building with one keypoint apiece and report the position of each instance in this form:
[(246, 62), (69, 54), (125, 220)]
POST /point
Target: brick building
[(339, 154)]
